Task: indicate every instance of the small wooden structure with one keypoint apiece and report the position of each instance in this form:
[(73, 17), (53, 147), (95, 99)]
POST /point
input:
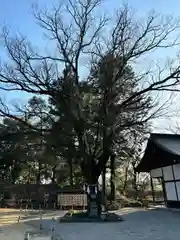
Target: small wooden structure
[(162, 160)]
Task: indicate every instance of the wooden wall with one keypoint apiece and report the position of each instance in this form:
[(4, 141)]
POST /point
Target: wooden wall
[(171, 179)]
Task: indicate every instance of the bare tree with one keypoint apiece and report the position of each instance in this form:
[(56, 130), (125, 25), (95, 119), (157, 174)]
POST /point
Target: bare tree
[(77, 34)]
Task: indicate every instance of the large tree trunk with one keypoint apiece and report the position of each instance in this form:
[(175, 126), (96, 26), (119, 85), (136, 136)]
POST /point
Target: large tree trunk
[(54, 174), (92, 173), (94, 200), (14, 172), (29, 174), (93, 194), (71, 173), (112, 179), (125, 180), (13, 176), (38, 179), (126, 177)]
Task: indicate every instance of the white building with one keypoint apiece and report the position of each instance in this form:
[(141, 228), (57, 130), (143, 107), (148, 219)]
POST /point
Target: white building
[(162, 160)]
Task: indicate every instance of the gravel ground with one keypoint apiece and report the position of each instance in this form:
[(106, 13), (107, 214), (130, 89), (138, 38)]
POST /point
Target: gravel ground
[(138, 224), (10, 229)]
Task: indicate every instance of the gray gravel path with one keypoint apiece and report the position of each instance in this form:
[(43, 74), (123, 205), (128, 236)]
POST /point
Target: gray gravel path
[(138, 224)]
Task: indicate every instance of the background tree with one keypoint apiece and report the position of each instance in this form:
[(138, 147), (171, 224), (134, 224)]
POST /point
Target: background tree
[(12, 149)]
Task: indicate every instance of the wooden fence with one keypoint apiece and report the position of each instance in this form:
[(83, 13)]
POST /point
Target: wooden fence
[(41, 196)]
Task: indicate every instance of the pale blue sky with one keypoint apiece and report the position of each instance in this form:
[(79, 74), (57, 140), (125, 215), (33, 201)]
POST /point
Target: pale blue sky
[(17, 15)]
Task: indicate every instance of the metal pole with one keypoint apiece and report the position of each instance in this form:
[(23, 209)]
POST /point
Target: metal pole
[(53, 229), (41, 225), (152, 188), (26, 236)]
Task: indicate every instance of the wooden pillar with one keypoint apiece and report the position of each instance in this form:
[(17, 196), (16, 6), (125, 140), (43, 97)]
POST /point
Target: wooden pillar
[(174, 182), (152, 189), (163, 187)]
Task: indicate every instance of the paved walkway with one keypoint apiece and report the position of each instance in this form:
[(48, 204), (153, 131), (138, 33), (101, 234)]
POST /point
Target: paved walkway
[(138, 224)]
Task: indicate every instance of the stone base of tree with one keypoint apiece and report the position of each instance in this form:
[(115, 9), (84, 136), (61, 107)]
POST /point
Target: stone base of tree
[(84, 217)]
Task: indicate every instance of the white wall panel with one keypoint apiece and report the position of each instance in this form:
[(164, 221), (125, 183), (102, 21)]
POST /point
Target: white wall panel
[(170, 191), (176, 168), (156, 172), (168, 174)]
